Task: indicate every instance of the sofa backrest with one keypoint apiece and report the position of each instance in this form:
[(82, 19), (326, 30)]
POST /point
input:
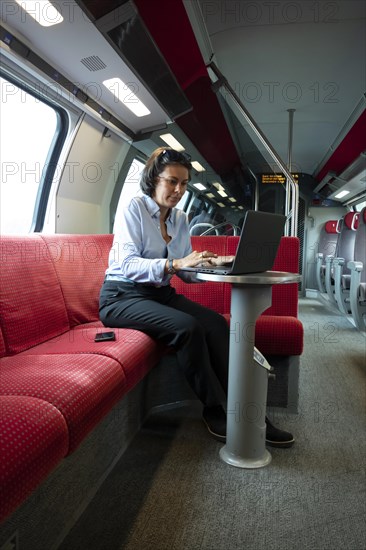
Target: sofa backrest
[(80, 262), (209, 294), (284, 297), (32, 309)]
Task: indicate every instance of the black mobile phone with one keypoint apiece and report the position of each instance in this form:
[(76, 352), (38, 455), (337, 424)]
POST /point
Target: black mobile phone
[(105, 336)]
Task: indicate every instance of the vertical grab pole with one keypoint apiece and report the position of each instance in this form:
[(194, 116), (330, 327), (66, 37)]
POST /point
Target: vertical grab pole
[(289, 194)]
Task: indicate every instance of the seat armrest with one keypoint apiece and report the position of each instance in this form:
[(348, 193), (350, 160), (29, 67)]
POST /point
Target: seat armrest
[(355, 266), (319, 271), (329, 278), (341, 290), (358, 306), (338, 264)]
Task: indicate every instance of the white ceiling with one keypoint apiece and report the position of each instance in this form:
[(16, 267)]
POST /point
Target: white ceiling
[(303, 55)]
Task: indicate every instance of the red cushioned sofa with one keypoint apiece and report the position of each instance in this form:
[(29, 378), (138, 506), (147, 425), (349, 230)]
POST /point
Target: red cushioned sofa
[(57, 384)]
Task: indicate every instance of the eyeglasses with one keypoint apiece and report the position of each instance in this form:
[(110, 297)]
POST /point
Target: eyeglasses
[(174, 182), (171, 155)]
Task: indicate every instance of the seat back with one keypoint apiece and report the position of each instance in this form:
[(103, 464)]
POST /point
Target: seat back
[(360, 243), (346, 240), (328, 238), (32, 307), (209, 294), (80, 262), (285, 296)]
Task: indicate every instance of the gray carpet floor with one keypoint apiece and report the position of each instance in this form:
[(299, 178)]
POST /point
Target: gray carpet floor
[(171, 491)]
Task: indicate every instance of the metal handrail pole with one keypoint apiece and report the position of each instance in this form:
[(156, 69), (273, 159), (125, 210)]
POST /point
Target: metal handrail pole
[(222, 224), (289, 194), (222, 81), (256, 196)]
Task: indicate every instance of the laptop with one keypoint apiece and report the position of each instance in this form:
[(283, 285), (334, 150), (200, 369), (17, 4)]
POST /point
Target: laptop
[(259, 240)]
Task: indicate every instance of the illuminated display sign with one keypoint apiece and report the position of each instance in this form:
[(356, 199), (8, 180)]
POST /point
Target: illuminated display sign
[(277, 178)]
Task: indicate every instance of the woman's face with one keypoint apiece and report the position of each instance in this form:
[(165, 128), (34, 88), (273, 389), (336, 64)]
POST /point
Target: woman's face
[(171, 185)]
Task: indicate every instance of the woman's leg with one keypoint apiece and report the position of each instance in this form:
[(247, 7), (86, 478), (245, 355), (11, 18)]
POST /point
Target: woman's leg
[(216, 334), (155, 312)]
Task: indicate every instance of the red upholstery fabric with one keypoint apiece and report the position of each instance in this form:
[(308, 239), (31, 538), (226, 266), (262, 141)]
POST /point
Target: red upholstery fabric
[(80, 262), (208, 294), (83, 387), (141, 353), (34, 438), (351, 220), (136, 352), (331, 226), (2, 344), (279, 335), (31, 303), (284, 297)]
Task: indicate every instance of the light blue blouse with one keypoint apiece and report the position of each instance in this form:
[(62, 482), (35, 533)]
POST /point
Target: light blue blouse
[(139, 251)]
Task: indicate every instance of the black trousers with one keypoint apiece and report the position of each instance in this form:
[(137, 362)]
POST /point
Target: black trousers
[(199, 335)]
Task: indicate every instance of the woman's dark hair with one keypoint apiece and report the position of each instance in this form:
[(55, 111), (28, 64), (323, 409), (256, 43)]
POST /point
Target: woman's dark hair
[(155, 165)]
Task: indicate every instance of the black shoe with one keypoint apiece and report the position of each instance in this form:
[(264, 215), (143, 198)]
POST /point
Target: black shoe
[(278, 438), (215, 420)]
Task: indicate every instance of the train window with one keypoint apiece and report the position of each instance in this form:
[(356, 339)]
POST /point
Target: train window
[(360, 206), (182, 204), (130, 189), (196, 207), (29, 131)]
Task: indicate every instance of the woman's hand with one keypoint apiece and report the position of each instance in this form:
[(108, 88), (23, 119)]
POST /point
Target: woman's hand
[(220, 260), (196, 258)]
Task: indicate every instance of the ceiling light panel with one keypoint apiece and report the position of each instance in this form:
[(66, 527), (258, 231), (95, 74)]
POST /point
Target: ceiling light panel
[(341, 194), (123, 93), (172, 142), (42, 11), (197, 166)]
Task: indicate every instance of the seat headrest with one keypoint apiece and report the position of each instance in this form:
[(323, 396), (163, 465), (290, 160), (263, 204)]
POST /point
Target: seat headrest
[(331, 226), (351, 220)]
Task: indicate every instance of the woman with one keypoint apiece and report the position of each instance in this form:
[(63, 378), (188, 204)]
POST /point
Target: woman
[(152, 245)]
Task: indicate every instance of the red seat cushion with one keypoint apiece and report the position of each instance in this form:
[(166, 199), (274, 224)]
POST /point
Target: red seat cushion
[(135, 351), (279, 335), (275, 335), (34, 438), (83, 387)]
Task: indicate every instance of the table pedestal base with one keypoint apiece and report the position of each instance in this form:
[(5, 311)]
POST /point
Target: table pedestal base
[(247, 392), (251, 294), (240, 462)]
